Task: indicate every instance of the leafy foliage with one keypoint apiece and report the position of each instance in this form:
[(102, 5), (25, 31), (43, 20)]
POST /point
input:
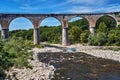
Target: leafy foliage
[(97, 40), (102, 28), (114, 37), (51, 34), (74, 34), (14, 53), (81, 23), (84, 37), (105, 36), (109, 21)]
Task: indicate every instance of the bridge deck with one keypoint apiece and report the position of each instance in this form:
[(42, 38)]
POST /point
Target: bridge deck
[(56, 14)]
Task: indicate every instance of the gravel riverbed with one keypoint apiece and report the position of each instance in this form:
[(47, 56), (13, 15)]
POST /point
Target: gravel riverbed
[(43, 71), (98, 51)]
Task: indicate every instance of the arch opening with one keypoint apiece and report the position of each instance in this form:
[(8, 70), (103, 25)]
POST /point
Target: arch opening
[(50, 30), (81, 22), (77, 26), (108, 21), (21, 27)]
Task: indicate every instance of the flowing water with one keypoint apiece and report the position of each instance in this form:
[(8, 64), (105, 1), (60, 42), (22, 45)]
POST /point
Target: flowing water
[(80, 66)]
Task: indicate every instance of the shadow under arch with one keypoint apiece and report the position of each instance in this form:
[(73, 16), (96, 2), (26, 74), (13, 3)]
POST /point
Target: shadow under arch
[(111, 22), (51, 30), (21, 27)]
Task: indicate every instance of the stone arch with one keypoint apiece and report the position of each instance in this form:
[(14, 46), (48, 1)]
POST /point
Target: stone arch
[(76, 31), (111, 16), (23, 23), (50, 17), (25, 18), (45, 22), (79, 17)]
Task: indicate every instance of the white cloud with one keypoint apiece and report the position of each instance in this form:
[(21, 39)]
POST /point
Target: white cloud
[(88, 9), (89, 2), (75, 6), (28, 7), (28, 4), (55, 5)]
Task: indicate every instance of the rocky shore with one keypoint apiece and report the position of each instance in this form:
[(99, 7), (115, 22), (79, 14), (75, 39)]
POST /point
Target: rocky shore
[(39, 71), (43, 71)]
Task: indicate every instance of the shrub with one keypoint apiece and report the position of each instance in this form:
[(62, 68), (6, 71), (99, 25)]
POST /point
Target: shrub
[(118, 25), (91, 39), (102, 27), (84, 37), (114, 37), (13, 53), (98, 40), (74, 34)]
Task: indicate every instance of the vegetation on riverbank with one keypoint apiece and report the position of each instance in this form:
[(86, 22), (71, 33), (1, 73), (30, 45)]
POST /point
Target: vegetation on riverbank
[(14, 53)]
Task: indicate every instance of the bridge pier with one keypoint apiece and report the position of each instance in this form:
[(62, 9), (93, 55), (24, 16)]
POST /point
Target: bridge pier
[(64, 36), (5, 34), (36, 36), (92, 30)]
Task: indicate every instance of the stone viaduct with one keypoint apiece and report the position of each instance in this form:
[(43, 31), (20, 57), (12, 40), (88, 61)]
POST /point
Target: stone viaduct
[(36, 19)]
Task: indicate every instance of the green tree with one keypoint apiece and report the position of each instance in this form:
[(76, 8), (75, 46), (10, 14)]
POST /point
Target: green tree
[(13, 53), (118, 27), (84, 37), (114, 37), (99, 39), (102, 27), (82, 23), (74, 34), (109, 21)]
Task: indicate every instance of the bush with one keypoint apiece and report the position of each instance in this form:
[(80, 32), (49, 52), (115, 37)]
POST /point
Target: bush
[(74, 34), (98, 40), (84, 37), (13, 53), (102, 28), (91, 40), (17, 49), (114, 37)]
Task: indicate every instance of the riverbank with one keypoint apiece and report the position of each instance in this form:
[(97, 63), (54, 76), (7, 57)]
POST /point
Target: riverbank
[(38, 70)]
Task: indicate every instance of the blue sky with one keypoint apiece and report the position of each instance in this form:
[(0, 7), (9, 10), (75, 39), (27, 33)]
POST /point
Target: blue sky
[(54, 6)]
